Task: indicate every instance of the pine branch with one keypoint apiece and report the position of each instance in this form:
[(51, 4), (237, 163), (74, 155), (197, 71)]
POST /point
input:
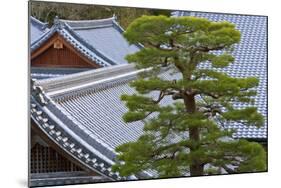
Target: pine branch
[(207, 49)]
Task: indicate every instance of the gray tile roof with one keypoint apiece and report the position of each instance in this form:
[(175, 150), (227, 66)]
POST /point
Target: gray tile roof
[(106, 36), (92, 100), (65, 130), (62, 132), (76, 41), (101, 41), (37, 29), (101, 114)]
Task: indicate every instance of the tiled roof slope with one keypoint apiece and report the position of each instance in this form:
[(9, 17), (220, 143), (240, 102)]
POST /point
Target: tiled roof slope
[(82, 141), (92, 100), (250, 60), (76, 41), (101, 41), (63, 133), (106, 36), (37, 29)]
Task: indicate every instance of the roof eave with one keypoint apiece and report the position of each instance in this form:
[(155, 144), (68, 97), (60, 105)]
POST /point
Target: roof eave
[(65, 140), (81, 45)]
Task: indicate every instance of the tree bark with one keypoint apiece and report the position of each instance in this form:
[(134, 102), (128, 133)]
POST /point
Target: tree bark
[(196, 167), (196, 170)]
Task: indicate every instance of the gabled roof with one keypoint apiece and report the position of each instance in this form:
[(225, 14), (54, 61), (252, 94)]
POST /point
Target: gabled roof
[(106, 36), (37, 29), (86, 108), (101, 41)]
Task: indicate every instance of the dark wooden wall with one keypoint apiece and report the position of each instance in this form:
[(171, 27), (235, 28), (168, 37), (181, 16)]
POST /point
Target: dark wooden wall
[(58, 53), (59, 58), (45, 159)]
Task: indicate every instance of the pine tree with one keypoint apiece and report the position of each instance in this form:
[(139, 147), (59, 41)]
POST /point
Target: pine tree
[(188, 137)]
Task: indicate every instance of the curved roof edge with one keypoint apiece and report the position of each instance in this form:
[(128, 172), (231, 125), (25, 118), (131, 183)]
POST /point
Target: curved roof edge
[(38, 22), (96, 23), (89, 24), (68, 133), (76, 41), (70, 142), (92, 24)]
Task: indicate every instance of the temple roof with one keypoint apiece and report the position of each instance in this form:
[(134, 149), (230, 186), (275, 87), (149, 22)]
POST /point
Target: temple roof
[(37, 29), (86, 108), (70, 133), (99, 40), (106, 36)]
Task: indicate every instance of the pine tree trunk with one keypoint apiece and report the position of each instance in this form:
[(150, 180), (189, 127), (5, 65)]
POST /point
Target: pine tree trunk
[(196, 168)]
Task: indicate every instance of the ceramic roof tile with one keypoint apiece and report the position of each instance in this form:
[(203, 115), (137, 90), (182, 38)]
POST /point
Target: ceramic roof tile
[(99, 40), (37, 29), (106, 36)]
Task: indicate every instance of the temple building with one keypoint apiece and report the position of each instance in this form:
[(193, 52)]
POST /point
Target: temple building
[(78, 74), (74, 46), (69, 47)]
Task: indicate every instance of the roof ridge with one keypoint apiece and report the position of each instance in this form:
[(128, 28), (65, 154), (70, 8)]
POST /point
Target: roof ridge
[(84, 73), (43, 37), (92, 20), (114, 23), (86, 77), (64, 29), (89, 24), (38, 22), (94, 86), (89, 46)]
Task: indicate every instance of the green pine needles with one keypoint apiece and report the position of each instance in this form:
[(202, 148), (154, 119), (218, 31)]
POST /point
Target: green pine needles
[(187, 137)]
